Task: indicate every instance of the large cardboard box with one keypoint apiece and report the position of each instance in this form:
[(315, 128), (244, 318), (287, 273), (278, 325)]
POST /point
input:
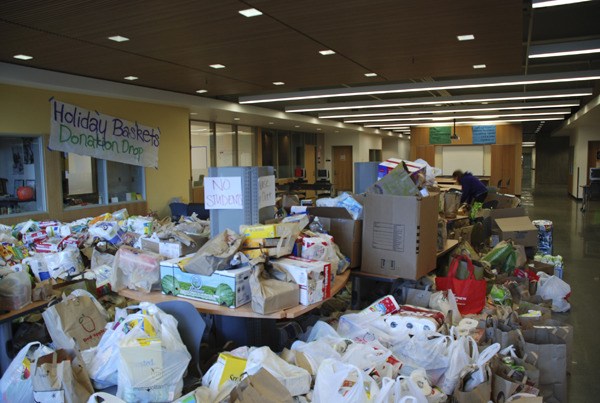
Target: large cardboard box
[(400, 235), (170, 248), (346, 232), (224, 287), (519, 229)]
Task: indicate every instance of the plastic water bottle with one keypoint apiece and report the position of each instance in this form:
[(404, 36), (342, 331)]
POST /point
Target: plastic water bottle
[(316, 226)]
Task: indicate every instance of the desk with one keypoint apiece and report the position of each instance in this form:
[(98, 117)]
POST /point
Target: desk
[(6, 329), (239, 324), (587, 193), (323, 186), (450, 181)]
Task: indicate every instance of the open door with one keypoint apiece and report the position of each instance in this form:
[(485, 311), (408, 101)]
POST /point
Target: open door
[(342, 168)]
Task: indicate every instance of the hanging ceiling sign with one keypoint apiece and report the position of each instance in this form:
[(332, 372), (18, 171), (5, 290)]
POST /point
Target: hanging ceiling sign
[(440, 135), (77, 130), (484, 134)]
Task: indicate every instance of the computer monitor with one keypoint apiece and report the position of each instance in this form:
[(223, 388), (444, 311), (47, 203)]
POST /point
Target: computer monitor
[(322, 174), (594, 174)]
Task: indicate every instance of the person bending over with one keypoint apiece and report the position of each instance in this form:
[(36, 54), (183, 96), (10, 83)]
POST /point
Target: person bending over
[(474, 191)]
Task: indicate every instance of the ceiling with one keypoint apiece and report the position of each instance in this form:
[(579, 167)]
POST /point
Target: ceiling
[(173, 43)]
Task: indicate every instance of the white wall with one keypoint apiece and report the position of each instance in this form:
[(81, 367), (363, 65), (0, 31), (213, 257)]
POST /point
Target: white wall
[(394, 147), (580, 141)]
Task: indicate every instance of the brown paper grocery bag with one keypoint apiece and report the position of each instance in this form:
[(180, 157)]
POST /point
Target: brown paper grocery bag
[(261, 387), (481, 393), (268, 294)]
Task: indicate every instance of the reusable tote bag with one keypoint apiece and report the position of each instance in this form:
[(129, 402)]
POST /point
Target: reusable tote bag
[(470, 293)]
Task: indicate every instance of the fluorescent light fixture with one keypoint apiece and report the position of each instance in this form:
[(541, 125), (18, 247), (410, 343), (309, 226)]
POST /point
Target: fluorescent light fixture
[(479, 66), (278, 83), (564, 49), (468, 122), (130, 78), (528, 144), (370, 74), (217, 66), (389, 103), (250, 12), (318, 129), (327, 52), (271, 123), (482, 115), (236, 118), (23, 57), (450, 109), (193, 113), (552, 3), (201, 91), (468, 37), (118, 38), (480, 82)]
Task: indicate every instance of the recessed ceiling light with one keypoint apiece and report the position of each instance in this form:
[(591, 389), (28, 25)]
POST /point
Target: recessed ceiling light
[(201, 91), (23, 57), (337, 131), (370, 74), (118, 38), (278, 83), (468, 37), (270, 123), (327, 52), (130, 78), (479, 66), (318, 129), (552, 3), (193, 113), (250, 12), (236, 118), (217, 66), (296, 125)]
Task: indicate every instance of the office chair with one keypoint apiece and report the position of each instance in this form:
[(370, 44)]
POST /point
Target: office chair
[(178, 210), (190, 326), (199, 209)]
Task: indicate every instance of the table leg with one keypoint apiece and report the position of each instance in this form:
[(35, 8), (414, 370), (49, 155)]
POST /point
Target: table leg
[(5, 338)]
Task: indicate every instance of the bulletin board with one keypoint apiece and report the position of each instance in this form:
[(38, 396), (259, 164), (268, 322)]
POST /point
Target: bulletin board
[(465, 158)]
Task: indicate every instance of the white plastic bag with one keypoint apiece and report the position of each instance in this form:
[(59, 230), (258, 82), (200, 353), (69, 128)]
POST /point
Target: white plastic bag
[(64, 264), (552, 287), (462, 353), (152, 357), (310, 355), (104, 398), (15, 385), (340, 382), (445, 301), (15, 289), (295, 379), (427, 350)]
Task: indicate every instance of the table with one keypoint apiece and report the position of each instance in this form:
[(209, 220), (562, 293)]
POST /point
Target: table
[(587, 193), (239, 324), (6, 329)]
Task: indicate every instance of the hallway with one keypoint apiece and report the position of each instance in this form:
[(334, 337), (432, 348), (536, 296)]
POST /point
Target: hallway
[(577, 239)]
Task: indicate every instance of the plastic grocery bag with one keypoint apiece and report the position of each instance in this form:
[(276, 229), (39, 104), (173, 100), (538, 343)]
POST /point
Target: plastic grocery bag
[(15, 289), (552, 287), (340, 382), (461, 353), (310, 355), (295, 379), (77, 322), (428, 350), (152, 359), (15, 385), (103, 397), (135, 269)]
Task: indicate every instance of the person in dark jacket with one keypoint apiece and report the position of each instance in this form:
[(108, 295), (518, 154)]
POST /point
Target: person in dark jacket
[(474, 191)]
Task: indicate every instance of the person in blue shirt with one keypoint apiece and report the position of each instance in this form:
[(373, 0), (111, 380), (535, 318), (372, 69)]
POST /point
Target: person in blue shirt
[(474, 191)]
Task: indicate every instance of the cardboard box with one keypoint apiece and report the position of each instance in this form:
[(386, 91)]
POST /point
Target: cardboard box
[(519, 229), (274, 295), (169, 248), (268, 230), (539, 266), (313, 277), (211, 289), (346, 232), (400, 235)]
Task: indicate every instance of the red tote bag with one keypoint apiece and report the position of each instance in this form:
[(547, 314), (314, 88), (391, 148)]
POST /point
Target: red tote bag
[(470, 293)]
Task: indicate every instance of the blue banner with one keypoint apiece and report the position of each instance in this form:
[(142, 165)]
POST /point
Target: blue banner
[(484, 134)]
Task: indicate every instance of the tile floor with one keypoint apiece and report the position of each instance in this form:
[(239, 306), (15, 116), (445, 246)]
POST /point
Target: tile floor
[(577, 239)]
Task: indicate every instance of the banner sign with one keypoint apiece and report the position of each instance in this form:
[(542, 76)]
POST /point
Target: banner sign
[(84, 132), (439, 135), (223, 192), (484, 134)]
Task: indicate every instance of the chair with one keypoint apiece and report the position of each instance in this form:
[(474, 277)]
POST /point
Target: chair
[(199, 209), (190, 326), (178, 210), (499, 186)]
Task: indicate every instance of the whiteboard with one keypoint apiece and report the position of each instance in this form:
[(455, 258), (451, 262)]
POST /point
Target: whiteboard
[(465, 158)]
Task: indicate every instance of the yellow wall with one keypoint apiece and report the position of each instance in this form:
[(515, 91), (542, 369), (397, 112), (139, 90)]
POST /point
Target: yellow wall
[(27, 111)]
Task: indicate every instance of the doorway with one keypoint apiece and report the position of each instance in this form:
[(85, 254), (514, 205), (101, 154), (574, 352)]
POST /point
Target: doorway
[(342, 168)]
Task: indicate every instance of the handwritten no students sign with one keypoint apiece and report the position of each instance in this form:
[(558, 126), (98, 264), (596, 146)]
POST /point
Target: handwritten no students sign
[(223, 193)]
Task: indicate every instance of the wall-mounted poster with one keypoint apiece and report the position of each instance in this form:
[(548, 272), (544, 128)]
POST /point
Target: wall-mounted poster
[(484, 134), (18, 160), (440, 135)]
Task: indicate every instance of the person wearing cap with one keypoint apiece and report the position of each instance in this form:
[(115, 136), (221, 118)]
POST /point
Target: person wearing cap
[(474, 191)]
